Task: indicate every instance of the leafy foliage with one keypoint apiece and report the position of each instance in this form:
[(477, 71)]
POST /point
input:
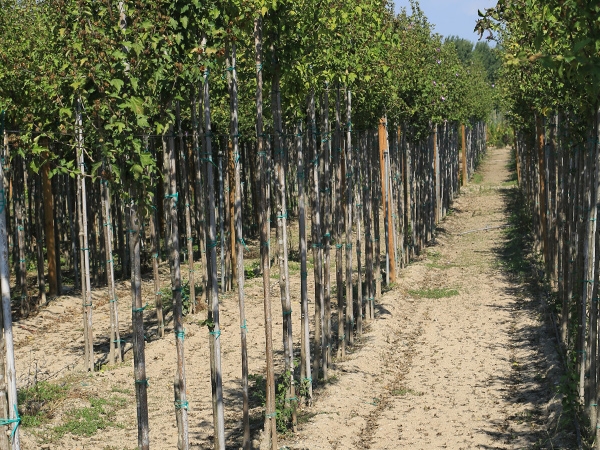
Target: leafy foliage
[(126, 64)]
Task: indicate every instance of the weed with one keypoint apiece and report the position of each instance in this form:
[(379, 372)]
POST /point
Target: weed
[(167, 297), (284, 406), (121, 390), (435, 293), (401, 391), (293, 267), (37, 402), (435, 263), (252, 269), (86, 421), (477, 178)]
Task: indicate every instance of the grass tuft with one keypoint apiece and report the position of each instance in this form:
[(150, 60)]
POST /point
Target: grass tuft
[(435, 293)]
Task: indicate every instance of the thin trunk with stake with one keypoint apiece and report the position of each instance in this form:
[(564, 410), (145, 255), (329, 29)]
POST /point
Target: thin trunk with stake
[(114, 340), (10, 372), (349, 334), (305, 368), (213, 283), (86, 289), (240, 247), (270, 413), (181, 404), (137, 323), (282, 253)]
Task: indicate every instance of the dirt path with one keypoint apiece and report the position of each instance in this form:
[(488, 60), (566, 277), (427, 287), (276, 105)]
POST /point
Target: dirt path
[(475, 368)]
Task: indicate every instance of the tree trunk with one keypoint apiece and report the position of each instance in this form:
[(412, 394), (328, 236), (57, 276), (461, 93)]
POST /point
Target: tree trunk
[(270, 413), (7, 341), (137, 323), (115, 354), (213, 283), (86, 290), (349, 333)]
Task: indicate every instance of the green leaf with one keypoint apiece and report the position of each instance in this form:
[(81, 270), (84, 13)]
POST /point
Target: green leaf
[(116, 83), (94, 168), (68, 112)]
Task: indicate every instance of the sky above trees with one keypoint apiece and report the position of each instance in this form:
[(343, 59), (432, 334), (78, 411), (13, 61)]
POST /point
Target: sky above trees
[(451, 17)]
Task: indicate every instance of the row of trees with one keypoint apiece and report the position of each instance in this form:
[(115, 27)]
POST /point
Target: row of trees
[(172, 123), (551, 90)]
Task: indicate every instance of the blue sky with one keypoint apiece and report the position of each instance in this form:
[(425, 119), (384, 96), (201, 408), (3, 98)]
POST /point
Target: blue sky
[(451, 17)]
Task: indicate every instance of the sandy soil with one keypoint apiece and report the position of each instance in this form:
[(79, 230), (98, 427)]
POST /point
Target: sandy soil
[(474, 370)]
